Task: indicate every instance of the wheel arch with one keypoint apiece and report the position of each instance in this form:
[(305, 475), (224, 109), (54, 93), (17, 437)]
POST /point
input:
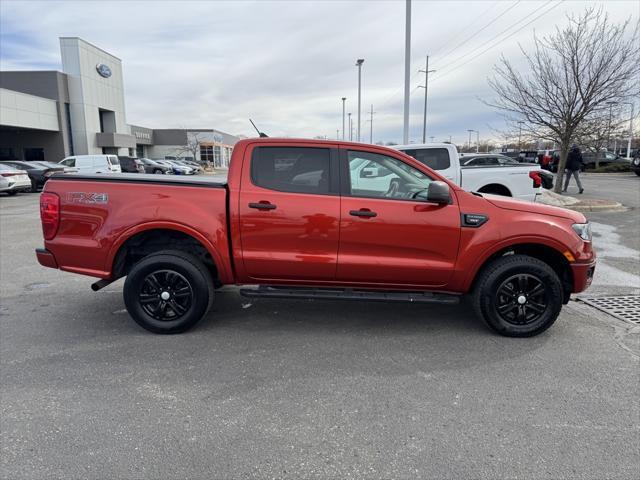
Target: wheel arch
[(545, 252), (497, 189), (160, 235)]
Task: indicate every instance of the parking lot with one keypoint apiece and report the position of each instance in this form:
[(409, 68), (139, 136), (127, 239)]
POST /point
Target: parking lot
[(311, 389)]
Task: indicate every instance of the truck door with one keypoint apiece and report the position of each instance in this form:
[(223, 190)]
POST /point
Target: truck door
[(386, 236), (289, 212)]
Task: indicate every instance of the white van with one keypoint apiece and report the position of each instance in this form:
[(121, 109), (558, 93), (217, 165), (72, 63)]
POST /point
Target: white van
[(93, 163)]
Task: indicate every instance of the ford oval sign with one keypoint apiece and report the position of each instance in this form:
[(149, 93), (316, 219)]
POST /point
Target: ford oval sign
[(103, 70)]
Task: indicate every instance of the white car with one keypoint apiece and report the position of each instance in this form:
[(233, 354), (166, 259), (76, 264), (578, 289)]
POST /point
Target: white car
[(93, 163), (13, 180), (518, 180)]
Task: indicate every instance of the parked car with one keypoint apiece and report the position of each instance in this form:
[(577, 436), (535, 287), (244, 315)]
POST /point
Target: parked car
[(152, 166), (487, 159), (131, 164), (604, 158), (496, 160), (176, 167), (38, 172), (195, 165), (635, 163), (518, 180), (303, 219), (16, 180), (528, 156), (93, 163)]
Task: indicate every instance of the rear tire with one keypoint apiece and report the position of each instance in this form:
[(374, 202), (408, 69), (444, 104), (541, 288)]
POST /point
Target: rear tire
[(168, 292), (518, 296), (13, 192), (158, 171)]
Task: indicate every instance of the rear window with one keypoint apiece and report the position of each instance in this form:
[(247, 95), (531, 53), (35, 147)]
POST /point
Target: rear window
[(291, 169), (434, 158), (113, 160)]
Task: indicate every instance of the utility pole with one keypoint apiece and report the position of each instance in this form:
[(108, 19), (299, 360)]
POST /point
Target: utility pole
[(407, 71), (371, 126), (520, 134), (359, 63), (343, 100), (426, 72)]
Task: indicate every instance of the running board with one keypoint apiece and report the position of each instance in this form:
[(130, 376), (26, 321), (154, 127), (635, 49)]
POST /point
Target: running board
[(270, 291)]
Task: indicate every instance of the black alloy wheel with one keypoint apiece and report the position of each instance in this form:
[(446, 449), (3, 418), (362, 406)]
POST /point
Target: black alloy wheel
[(168, 291), (521, 299), (165, 295), (518, 295)]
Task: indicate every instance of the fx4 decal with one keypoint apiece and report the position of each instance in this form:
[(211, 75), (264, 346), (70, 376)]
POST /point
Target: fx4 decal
[(90, 198)]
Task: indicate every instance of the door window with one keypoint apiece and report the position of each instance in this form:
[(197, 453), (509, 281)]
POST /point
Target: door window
[(375, 175), (69, 162), (292, 169)]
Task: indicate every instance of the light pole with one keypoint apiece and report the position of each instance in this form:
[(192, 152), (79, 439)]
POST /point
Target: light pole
[(344, 99), (611, 104), (371, 126), (407, 71), (520, 122), (630, 129), (426, 72), (431, 137), (359, 63), (350, 128), (477, 139)]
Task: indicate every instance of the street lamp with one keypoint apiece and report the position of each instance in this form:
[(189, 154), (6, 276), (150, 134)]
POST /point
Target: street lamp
[(426, 72), (359, 63), (611, 104), (630, 128), (350, 128), (343, 100)]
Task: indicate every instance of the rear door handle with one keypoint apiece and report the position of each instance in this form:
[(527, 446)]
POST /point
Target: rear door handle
[(363, 213), (263, 206)]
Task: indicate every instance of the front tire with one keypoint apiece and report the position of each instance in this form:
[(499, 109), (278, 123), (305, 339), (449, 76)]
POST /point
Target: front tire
[(168, 292), (518, 296)]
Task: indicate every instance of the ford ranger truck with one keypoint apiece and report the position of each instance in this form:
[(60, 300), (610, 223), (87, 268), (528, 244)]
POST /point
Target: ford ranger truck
[(303, 219), (523, 181)]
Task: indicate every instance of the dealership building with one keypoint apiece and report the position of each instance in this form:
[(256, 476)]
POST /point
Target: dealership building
[(49, 115)]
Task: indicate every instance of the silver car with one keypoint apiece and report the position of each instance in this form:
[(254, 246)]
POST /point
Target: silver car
[(14, 180)]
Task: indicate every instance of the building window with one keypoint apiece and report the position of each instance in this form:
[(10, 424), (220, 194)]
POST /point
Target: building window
[(217, 160), (140, 151), (67, 111), (206, 153)]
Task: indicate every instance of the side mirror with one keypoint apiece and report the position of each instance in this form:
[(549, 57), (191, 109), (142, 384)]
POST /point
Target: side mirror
[(369, 172), (438, 192)]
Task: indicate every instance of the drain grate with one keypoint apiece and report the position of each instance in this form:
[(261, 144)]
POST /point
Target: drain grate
[(624, 307)]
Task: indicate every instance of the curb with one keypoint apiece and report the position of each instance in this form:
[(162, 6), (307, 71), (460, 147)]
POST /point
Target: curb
[(609, 207)]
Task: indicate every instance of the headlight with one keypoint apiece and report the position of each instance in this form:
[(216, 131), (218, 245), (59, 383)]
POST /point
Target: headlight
[(636, 161), (583, 230)]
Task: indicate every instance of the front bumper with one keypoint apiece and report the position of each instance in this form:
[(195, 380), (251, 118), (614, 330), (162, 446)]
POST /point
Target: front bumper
[(583, 275), (46, 258)]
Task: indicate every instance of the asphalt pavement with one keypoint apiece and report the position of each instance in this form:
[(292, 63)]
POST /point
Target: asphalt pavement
[(312, 389)]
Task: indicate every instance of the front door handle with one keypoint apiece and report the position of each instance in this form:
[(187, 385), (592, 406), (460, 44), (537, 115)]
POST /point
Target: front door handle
[(264, 205), (363, 212)]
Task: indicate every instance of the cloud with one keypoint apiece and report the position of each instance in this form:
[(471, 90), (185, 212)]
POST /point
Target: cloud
[(286, 64)]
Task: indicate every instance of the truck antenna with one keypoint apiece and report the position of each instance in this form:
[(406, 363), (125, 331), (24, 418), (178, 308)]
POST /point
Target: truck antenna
[(260, 134)]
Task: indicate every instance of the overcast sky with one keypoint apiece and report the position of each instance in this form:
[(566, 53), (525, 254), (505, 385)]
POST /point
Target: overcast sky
[(286, 64)]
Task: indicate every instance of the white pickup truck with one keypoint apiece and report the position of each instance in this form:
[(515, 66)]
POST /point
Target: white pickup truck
[(519, 180)]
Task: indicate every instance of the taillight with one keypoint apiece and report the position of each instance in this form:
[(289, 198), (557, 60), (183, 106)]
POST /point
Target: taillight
[(537, 180), (11, 174), (49, 214)]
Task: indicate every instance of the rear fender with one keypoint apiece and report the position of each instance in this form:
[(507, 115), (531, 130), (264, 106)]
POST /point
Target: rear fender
[(223, 268)]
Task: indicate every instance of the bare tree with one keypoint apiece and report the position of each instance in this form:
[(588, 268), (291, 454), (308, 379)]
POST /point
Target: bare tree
[(192, 147), (571, 78)]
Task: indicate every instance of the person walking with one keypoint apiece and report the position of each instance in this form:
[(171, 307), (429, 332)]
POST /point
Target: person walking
[(574, 164)]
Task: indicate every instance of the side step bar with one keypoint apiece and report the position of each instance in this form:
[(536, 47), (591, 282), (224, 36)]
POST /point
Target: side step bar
[(270, 291)]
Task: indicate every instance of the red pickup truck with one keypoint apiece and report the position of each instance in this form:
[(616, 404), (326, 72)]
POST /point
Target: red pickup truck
[(311, 219)]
